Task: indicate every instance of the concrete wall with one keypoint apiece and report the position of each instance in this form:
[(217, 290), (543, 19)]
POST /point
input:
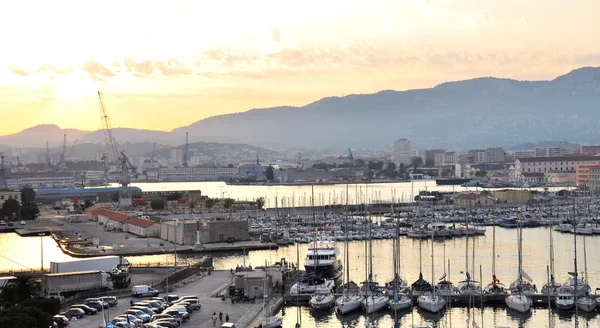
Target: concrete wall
[(513, 196), (220, 231)]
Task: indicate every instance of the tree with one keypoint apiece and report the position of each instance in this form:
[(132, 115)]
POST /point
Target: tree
[(228, 204), (402, 170), (416, 162), (192, 204), (29, 316), (209, 203), (157, 204), (429, 163), (27, 196), (115, 197), (48, 305), (260, 202), (11, 206), (174, 196), (29, 212), (481, 174), (87, 203), (359, 162), (391, 166), (270, 174)]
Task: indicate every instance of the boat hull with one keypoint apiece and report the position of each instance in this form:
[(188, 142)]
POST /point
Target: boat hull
[(400, 304), (519, 303), (333, 271), (346, 305), (431, 304), (586, 304)]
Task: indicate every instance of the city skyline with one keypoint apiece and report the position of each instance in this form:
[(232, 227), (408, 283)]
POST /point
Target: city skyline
[(166, 66)]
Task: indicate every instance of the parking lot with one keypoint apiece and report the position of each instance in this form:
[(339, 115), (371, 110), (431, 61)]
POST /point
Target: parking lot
[(205, 288)]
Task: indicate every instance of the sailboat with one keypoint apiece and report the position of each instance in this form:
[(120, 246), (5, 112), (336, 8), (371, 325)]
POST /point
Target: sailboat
[(269, 321), (586, 303), (495, 287), (444, 286), (400, 301), (347, 302), (551, 287), (431, 301), (469, 286), (374, 298), (519, 299)]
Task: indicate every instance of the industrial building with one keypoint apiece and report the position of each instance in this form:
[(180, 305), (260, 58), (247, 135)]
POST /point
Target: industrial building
[(47, 196), (41, 180), (189, 232), (191, 173), (4, 195)]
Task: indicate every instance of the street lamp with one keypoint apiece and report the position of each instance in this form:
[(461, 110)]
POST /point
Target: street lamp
[(42, 259)]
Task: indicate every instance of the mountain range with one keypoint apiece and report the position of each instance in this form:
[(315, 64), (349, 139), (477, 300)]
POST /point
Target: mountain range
[(458, 115)]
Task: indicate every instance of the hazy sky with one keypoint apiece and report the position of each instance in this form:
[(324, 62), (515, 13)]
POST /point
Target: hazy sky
[(165, 64)]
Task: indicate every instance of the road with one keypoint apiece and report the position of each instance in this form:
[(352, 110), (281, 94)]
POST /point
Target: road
[(206, 288)]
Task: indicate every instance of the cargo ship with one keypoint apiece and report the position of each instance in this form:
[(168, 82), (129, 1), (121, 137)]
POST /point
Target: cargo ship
[(451, 182)]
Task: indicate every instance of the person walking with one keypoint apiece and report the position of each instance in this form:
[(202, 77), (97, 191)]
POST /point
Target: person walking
[(214, 318), (221, 316), (227, 317)]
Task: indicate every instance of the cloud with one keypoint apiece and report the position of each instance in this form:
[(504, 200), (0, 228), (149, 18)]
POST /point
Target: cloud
[(18, 71), (96, 71), (592, 59), (523, 22), (275, 34), (148, 67), (56, 70)]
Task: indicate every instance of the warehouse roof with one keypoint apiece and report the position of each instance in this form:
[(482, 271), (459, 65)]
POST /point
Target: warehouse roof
[(81, 191)]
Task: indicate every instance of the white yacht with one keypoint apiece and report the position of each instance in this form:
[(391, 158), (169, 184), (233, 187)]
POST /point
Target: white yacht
[(431, 302), (565, 298), (375, 301), (322, 260), (519, 302), (322, 299), (309, 285), (348, 303), (400, 302), (586, 303), (469, 287)]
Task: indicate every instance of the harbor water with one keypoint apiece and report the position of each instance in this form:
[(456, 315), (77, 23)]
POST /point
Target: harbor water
[(24, 252)]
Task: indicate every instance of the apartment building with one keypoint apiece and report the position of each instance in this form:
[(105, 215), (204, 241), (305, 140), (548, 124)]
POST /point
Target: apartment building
[(494, 155), (552, 164), (402, 152)]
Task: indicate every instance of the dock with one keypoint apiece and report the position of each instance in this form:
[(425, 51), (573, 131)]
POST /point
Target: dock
[(457, 300)]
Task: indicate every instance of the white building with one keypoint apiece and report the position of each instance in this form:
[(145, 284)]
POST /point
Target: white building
[(447, 158), (552, 164), (176, 156), (402, 152), (190, 173), (4, 195), (557, 151), (41, 180), (494, 155)]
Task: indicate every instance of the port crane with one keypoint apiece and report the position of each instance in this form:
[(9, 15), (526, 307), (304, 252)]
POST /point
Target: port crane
[(3, 181), (118, 157), (186, 150)]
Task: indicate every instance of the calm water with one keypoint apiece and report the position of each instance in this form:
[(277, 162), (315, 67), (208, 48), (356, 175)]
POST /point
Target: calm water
[(26, 251), (290, 196)]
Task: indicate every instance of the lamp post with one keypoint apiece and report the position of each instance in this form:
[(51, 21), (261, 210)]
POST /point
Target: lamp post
[(42, 260), (175, 244)]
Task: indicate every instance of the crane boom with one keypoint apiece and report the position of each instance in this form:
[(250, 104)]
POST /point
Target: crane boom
[(72, 148), (109, 139)]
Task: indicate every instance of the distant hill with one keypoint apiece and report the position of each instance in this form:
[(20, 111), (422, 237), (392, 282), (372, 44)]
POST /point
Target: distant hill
[(459, 115), (474, 113)]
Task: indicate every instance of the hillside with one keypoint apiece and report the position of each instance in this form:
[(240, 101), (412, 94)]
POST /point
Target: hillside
[(459, 115)]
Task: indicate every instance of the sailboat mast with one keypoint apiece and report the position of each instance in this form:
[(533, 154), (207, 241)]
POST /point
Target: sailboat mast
[(494, 250), (346, 261), (312, 206), (520, 237), (551, 253), (584, 260)]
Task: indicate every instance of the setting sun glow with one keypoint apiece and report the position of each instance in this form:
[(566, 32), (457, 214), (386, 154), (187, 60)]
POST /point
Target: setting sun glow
[(211, 58)]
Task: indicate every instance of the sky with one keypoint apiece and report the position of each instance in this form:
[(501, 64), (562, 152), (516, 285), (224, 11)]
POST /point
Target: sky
[(166, 64)]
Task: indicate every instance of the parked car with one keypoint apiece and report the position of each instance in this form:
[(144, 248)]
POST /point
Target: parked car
[(23, 222), (74, 312), (143, 290), (85, 308), (60, 320), (111, 300)]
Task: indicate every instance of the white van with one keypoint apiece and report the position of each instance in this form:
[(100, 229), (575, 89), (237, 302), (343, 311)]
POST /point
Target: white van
[(143, 290)]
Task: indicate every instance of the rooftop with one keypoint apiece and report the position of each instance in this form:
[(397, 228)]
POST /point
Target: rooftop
[(559, 159), (81, 191)]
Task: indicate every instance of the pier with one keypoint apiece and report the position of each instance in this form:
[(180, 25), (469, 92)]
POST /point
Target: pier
[(457, 300)]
